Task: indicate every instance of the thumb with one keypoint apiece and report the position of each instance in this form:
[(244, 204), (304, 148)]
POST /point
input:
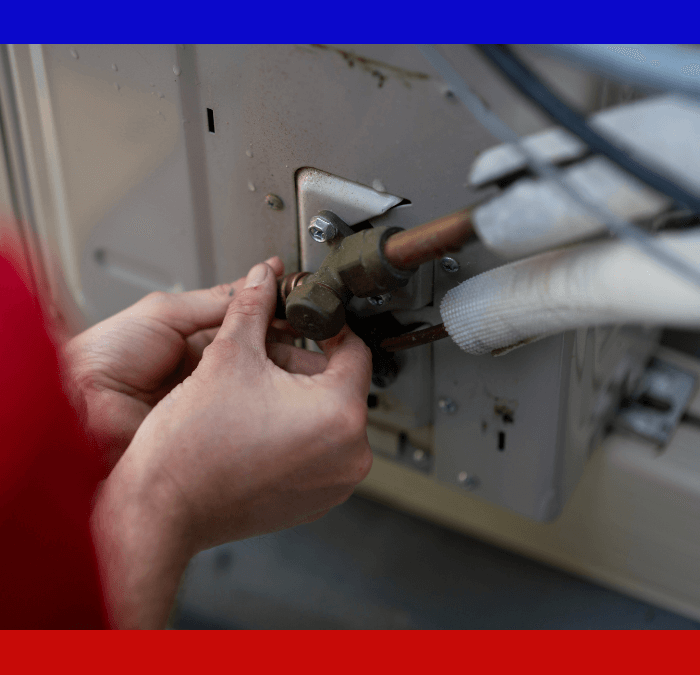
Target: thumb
[(251, 311)]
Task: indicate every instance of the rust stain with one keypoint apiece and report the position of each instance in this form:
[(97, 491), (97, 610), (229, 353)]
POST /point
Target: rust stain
[(505, 350), (377, 69), (505, 412)]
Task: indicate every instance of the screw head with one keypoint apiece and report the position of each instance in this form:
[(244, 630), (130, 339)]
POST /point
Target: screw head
[(450, 265), (468, 481), (379, 300), (418, 455), (274, 202), (447, 406), (321, 229)]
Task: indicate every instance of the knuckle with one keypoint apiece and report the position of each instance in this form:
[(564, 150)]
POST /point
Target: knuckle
[(343, 496), (157, 298), (223, 291), (247, 303), (353, 421), (221, 350), (366, 353), (363, 465)]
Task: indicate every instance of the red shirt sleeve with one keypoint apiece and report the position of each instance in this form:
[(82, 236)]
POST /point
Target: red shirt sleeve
[(49, 473)]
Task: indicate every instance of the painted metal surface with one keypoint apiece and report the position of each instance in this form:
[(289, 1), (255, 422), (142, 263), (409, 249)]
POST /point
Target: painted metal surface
[(152, 169)]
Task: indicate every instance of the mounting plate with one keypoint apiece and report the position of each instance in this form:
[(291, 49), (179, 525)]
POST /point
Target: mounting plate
[(658, 403)]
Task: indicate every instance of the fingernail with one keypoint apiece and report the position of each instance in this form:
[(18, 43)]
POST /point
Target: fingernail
[(269, 260), (256, 276)]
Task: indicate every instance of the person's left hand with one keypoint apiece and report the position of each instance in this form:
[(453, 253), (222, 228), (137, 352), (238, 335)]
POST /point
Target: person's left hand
[(124, 365)]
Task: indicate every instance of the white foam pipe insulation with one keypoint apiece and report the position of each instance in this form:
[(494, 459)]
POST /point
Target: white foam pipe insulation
[(532, 216), (603, 283)]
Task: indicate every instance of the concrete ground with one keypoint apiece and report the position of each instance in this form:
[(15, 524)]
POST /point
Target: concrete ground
[(365, 565)]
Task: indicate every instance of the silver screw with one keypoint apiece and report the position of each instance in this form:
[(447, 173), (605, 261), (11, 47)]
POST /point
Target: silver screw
[(379, 300), (450, 265), (418, 455), (468, 481), (447, 405), (321, 229)]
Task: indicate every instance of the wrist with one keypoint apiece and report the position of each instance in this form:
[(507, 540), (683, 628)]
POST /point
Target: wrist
[(142, 544)]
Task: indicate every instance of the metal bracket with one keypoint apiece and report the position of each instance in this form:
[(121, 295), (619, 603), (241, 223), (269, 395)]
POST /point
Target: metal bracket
[(657, 405), (352, 202)]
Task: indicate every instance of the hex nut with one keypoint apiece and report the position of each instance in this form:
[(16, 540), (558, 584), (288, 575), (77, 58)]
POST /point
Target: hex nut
[(315, 311), (321, 229)]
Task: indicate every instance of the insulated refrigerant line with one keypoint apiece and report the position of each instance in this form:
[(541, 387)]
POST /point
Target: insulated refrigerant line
[(617, 226)]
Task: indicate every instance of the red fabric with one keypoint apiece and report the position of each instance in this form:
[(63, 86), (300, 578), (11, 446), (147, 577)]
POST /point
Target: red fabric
[(48, 475)]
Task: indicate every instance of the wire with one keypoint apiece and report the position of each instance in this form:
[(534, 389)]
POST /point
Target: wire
[(499, 129), (520, 76), (662, 67)]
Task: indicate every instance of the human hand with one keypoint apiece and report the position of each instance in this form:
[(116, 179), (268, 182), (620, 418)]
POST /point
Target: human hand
[(240, 448), (124, 365)]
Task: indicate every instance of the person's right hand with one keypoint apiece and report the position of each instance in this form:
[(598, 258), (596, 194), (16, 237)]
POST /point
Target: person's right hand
[(242, 447)]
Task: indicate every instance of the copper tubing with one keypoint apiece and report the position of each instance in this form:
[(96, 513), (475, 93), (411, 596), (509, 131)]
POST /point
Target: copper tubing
[(414, 339), (285, 286), (288, 283), (411, 248)]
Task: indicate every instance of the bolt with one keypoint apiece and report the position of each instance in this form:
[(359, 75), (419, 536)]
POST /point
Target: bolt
[(379, 300), (274, 202), (450, 265), (418, 455), (468, 481), (447, 405), (321, 229)]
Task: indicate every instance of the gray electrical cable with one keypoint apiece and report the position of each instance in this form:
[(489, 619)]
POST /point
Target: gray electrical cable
[(523, 79), (499, 129), (662, 67)]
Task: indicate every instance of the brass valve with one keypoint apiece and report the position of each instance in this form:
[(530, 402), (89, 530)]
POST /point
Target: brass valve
[(364, 264)]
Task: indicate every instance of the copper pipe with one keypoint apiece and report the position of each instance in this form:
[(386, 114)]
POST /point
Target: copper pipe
[(289, 282), (285, 286), (414, 339), (408, 249)]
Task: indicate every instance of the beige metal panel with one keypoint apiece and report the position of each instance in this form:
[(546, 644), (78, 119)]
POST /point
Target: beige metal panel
[(632, 523)]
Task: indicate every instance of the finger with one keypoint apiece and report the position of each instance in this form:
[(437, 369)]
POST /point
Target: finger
[(188, 312), (200, 340), (277, 265), (349, 361), (311, 518), (282, 331), (295, 360), (249, 315), (277, 335), (192, 311), (284, 326)]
